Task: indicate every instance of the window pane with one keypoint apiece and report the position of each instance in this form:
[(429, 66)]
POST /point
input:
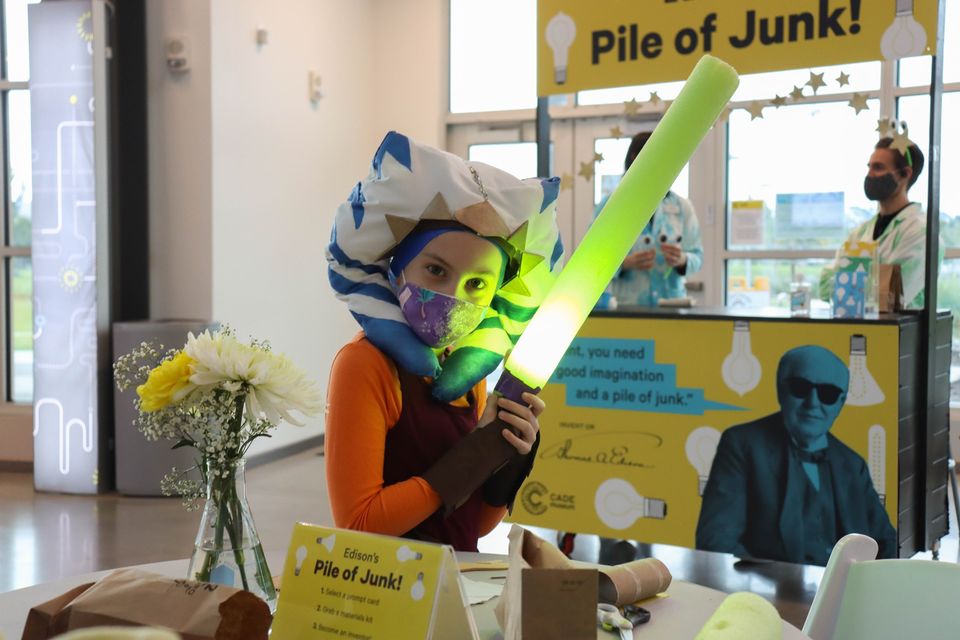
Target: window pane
[(948, 296), (20, 343), (916, 71), (493, 54), (640, 93), (864, 76), (756, 284), (915, 110), (806, 164), (610, 169), (20, 180), (18, 54), (519, 159)]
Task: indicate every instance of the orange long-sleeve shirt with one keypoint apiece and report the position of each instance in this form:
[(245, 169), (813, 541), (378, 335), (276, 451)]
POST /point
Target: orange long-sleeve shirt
[(363, 403)]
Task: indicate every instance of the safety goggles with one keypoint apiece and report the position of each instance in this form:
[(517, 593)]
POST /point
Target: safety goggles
[(801, 387)]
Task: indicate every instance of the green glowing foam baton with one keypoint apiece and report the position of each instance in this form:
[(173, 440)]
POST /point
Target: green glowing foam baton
[(483, 452), (610, 238)]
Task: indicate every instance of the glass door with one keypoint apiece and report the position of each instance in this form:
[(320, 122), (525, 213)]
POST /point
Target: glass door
[(600, 148)]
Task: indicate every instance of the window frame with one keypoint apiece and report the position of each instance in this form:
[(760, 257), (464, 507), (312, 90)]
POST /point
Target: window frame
[(9, 409), (708, 187)]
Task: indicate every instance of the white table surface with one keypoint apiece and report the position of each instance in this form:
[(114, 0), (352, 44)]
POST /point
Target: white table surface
[(676, 617)]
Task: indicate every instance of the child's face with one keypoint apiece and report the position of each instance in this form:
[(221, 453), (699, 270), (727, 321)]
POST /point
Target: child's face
[(457, 264)]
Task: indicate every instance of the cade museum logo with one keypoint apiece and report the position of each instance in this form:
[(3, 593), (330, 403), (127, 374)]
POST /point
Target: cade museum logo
[(536, 498)]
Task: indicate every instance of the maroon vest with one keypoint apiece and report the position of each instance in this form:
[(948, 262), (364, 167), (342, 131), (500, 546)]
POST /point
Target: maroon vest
[(425, 431)]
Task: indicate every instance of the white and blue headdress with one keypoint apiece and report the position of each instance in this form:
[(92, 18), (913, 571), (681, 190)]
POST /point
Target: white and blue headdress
[(409, 183)]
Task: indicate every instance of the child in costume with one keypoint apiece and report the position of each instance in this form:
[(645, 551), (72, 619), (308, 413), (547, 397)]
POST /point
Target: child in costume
[(442, 262)]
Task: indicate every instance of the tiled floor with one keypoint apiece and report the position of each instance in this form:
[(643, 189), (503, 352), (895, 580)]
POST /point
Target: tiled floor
[(44, 536)]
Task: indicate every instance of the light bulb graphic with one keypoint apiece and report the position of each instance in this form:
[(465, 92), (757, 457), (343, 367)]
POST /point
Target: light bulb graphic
[(301, 555), (618, 504), (741, 369), (864, 390), (560, 33), (877, 460), (417, 591), (905, 37), (405, 553), (328, 541), (701, 447)]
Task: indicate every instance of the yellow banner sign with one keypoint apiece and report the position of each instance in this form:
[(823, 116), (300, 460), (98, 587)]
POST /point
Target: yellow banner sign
[(613, 43), (346, 584), (637, 407)]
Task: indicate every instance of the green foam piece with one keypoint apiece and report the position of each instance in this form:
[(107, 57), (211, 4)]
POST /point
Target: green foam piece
[(743, 616), (612, 234)]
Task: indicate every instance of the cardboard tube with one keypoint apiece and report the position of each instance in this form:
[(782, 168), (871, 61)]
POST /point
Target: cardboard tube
[(637, 580)]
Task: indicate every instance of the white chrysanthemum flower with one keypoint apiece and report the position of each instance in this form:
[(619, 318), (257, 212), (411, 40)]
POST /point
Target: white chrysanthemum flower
[(275, 387)]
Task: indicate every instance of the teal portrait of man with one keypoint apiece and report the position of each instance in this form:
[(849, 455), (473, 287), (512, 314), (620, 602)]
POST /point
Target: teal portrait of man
[(783, 487)]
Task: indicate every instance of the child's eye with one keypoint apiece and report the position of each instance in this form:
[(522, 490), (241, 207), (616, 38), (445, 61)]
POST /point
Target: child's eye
[(477, 283), (435, 270)]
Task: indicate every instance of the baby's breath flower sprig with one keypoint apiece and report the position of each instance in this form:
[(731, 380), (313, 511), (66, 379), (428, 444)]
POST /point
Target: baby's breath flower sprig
[(214, 394), (176, 483)]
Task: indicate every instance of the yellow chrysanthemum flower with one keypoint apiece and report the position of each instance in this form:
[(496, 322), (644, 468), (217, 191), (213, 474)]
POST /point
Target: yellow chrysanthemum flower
[(164, 382)]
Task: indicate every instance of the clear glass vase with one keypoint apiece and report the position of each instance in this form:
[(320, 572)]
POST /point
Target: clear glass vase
[(227, 550)]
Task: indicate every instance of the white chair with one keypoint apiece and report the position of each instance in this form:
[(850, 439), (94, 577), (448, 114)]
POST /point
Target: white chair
[(861, 598)]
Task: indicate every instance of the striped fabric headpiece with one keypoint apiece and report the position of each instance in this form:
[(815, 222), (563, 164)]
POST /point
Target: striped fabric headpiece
[(409, 183)]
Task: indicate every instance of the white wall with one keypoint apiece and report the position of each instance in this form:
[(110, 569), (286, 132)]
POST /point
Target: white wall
[(280, 168), (246, 173), (180, 165), (410, 69)]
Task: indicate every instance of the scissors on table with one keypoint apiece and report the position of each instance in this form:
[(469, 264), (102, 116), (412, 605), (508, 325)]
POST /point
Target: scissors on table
[(610, 619)]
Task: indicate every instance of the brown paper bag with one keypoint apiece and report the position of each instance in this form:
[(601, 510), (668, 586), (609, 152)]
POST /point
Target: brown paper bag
[(132, 597), (619, 585), (891, 288), (40, 618)]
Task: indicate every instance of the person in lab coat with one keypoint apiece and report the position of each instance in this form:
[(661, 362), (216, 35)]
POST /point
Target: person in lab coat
[(668, 249), (900, 226)]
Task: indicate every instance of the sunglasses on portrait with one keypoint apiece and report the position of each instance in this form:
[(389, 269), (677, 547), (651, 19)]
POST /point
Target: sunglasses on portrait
[(801, 388)]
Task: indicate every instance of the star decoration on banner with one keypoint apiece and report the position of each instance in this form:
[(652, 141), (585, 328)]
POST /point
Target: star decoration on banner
[(859, 102), (566, 181), (778, 101), (586, 170), (597, 157), (901, 140), (816, 81), (616, 132), (631, 107), (796, 94), (843, 79), (655, 99), (756, 110)]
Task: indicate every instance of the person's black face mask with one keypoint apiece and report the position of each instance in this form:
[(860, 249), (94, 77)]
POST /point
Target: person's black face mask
[(879, 188)]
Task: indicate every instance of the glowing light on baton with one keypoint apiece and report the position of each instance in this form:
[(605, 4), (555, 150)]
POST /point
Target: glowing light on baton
[(610, 238)]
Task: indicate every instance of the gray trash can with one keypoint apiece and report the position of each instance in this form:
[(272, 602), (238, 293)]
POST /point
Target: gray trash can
[(141, 463)]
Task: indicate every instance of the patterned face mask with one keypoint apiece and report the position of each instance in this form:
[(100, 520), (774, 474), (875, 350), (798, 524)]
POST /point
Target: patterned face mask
[(438, 320)]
